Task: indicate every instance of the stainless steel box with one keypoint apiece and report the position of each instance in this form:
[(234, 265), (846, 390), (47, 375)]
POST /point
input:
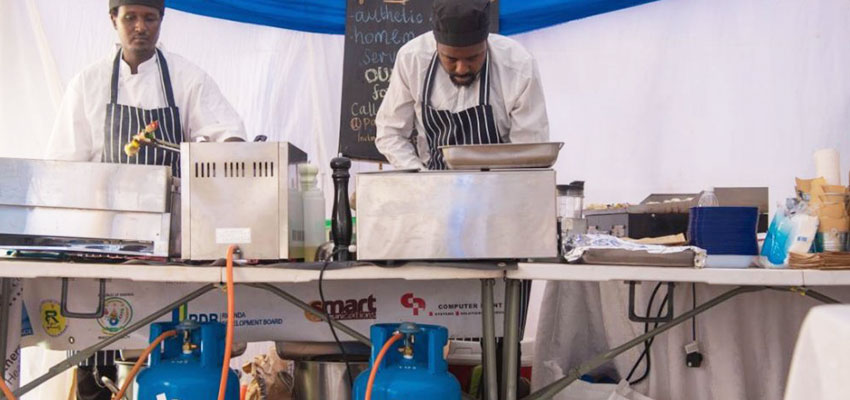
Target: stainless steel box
[(76, 205), (244, 194), (456, 215)]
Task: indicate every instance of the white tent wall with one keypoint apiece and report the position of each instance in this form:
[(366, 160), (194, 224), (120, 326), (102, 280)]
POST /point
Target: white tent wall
[(677, 95), (671, 96), (674, 95)]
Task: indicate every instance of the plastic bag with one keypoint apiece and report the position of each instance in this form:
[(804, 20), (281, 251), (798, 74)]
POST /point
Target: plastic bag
[(793, 228), (270, 378), (581, 390)]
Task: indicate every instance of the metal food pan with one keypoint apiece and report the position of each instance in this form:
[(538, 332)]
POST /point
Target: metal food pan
[(501, 156)]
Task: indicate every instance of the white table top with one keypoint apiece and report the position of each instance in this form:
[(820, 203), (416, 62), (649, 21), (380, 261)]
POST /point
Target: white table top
[(407, 272), (241, 274), (146, 273), (714, 276), (535, 271)]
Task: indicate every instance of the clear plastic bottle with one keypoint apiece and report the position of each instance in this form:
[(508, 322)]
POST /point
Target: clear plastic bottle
[(708, 199), (314, 210)]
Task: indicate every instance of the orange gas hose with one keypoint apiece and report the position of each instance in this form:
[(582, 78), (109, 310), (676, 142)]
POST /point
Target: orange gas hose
[(377, 363), (231, 311), (138, 365), (6, 391)]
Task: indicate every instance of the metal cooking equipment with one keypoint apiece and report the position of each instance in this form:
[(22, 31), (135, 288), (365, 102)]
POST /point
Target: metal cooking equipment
[(325, 380), (244, 194), (302, 350), (319, 370), (499, 156), (456, 215), (85, 207)]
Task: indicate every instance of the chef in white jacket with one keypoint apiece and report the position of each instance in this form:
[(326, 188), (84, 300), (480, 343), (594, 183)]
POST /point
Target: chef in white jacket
[(459, 84), (115, 98)]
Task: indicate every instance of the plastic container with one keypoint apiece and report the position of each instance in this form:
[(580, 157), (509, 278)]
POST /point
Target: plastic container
[(724, 230), (708, 199), (570, 200), (313, 204)]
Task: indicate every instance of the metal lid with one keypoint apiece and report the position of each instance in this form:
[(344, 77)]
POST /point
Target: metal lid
[(321, 351), (574, 188)]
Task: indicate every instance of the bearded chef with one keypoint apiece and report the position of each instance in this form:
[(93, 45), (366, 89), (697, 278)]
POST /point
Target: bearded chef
[(459, 84)]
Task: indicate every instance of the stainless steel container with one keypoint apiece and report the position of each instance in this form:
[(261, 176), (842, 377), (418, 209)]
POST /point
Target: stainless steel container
[(503, 155), (319, 370), (244, 194), (456, 215), (324, 380), (96, 207)]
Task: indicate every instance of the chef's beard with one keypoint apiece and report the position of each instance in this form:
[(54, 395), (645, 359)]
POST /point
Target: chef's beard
[(471, 78)]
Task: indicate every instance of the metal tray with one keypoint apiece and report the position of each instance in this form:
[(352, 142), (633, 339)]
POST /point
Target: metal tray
[(502, 156)]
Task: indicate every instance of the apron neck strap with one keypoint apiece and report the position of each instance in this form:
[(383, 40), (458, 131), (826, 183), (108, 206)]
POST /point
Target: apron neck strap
[(484, 84), (165, 78), (429, 80), (483, 77)]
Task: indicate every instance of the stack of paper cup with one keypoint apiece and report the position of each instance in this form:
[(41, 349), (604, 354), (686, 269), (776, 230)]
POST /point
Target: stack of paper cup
[(829, 201), (827, 166)]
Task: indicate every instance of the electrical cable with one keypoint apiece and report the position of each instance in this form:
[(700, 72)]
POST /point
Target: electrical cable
[(648, 343), (138, 365), (694, 305), (645, 330), (377, 363), (328, 316)]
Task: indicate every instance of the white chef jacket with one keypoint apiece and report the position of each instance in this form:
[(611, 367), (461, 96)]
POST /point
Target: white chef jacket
[(78, 132), (516, 96)]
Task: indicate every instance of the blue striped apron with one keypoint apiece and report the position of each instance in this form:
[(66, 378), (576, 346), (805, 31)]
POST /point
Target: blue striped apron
[(123, 122), (475, 125)]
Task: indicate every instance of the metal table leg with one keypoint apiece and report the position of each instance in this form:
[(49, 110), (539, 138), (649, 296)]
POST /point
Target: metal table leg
[(511, 340), (5, 299), (491, 391), (88, 351)]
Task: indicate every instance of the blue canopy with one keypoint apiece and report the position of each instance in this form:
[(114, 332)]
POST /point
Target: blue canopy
[(328, 16)]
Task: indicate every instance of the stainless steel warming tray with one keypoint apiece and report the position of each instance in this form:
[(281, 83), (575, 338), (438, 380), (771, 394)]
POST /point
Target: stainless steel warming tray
[(85, 207), (456, 215), (501, 156)]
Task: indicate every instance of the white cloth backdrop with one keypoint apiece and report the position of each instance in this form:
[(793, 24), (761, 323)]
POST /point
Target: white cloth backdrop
[(674, 95), (747, 341)]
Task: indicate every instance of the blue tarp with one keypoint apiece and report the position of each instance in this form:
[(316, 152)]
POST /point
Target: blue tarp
[(328, 16)]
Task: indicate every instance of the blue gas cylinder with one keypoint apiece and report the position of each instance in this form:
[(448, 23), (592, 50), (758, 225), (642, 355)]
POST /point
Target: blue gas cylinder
[(413, 368), (188, 366)]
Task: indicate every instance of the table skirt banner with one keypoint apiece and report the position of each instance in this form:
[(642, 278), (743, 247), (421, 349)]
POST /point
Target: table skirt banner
[(260, 315), (18, 325)]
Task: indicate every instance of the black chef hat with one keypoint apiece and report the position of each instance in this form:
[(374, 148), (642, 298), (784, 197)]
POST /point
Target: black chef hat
[(461, 23), (158, 4)]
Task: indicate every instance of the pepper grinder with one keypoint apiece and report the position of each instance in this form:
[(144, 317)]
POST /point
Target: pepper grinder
[(341, 215)]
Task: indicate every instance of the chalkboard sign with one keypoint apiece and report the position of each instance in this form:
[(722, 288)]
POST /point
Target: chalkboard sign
[(374, 31)]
